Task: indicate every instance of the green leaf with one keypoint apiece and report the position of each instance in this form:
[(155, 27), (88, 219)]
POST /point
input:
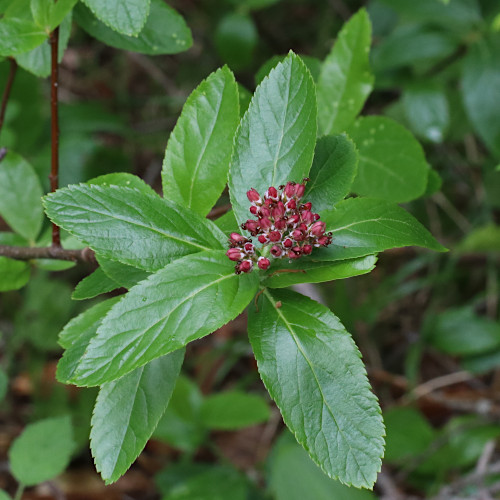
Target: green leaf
[(234, 410), (14, 274), (127, 411), (484, 239), (459, 331), (199, 149), (4, 495), (49, 14), (313, 370), (427, 112), (165, 31), (122, 179), (93, 285), (364, 226), (317, 272), (38, 60), (275, 140), (293, 476), (76, 336), (188, 299), (392, 163), (313, 65), (20, 196), (18, 36), (127, 17), (125, 275), (129, 226), (235, 40), (181, 425), (42, 451), (227, 223), (480, 78), (345, 80), (332, 172)]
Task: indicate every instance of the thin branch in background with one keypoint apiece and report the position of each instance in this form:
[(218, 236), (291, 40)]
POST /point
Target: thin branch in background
[(6, 92), (52, 252), (462, 223), (54, 83)]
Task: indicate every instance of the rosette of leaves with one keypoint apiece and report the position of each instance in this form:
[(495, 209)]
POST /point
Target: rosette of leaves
[(181, 286)]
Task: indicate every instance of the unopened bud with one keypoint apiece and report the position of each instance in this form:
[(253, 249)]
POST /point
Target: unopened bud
[(292, 220), (323, 241), (288, 243), (278, 211), (274, 236), (237, 238), (265, 223), (280, 224), (307, 217), (318, 228), (253, 196), (251, 225), (246, 266), (263, 263), (307, 249), (235, 254), (297, 235), (293, 255), (263, 238), (272, 193), (265, 212), (249, 248), (276, 251), (307, 206), (289, 190), (299, 190), (291, 205), (254, 210)]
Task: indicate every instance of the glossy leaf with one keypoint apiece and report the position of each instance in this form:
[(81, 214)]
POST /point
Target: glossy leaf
[(313, 370), (49, 14), (332, 172), (227, 223), (309, 271), (93, 285), (129, 226), (14, 274), (128, 17), (19, 35), (20, 196), (188, 299), (165, 31), (345, 80), (127, 411), (275, 140), (480, 79), (392, 163), (125, 275), (122, 179), (364, 226), (233, 410), (42, 451), (199, 149)]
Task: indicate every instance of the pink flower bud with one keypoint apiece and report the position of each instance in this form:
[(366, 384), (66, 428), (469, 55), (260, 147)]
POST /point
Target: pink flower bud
[(278, 211), (297, 235), (318, 228), (265, 223), (276, 251), (246, 266), (324, 241), (288, 243), (265, 212), (306, 206), (307, 249), (263, 263), (299, 190), (302, 227), (249, 248), (253, 196), (237, 238), (251, 225), (294, 219), (293, 255), (290, 189), (297, 250), (272, 193), (291, 205), (316, 216), (254, 210), (263, 238), (307, 217), (274, 236), (235, 254), (280, 224)]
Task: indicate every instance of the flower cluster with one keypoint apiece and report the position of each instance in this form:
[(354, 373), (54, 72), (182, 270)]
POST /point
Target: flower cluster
[(285, 224)]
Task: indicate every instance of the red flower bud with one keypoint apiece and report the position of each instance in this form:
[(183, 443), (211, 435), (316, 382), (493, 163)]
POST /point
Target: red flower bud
[(249, 248), (280, 224), (254, 210), (293, 255), (307, 249), (265, 212), (265, 223), (276, 251), (294, 219), (263, 263), (272, 193), (297, 250), (274, 236), (253, 196), (278, 211), (237, 238), (316, 216), (290, 189), (235, 254), (297, 235), (307, 217), (299, 190), (307, 206), (291, 205), (246, 266), (302, 227), (251, 225), (263, 239), (324, 241), (318, 228), (288, 243)]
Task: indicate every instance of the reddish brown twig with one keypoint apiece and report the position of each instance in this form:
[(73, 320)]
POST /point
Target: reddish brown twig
[(52, 252), (54, 83), (6, 92)]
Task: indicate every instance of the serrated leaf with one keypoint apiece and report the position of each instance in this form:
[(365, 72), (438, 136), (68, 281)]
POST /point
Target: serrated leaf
[(127, 17), (125, 275), (14, 274), (332, 172), (345, 80), (165, 31), (392, 164), (123, 179), (42, 451), (188, 299), (199, 149), (93, 285), (313, 370), (275, 140), (129, 226), (76, 336), (232, 410), (127, 411), (364, 226), (18, 36), (309, 271), (20, 196), (49, 14), (480, 78)]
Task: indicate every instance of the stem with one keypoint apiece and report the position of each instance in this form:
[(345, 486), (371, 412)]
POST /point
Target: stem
[(52, 252), (8, 87), (54, 171), (19, 492)]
